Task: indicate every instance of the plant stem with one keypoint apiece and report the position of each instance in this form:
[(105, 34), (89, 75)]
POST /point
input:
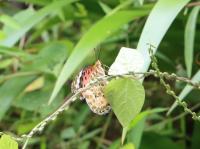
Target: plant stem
[(168, 88)]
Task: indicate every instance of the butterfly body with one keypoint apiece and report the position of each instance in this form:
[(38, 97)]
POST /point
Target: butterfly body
[(94, 96)]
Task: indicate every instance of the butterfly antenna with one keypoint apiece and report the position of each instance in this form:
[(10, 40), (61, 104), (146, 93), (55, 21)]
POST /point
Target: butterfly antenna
[(106, 68), (98, 52), (95, 54)]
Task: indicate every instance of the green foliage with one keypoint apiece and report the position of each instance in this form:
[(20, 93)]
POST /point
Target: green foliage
[(9, 21), (39, 99), (6, 142), (9, 91), (68, 133), (136, 127), (157, 24), (128, 146), (152, 140), (29, 19), (195, 136), (126, 97), (189, 39), (48, 60), (99, 32), (45, 43)]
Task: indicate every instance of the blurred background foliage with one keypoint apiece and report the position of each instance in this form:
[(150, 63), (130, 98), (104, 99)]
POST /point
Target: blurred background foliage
[(38, 36)]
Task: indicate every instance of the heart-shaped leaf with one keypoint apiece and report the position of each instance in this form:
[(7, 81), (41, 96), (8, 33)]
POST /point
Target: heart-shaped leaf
[(126, 97)]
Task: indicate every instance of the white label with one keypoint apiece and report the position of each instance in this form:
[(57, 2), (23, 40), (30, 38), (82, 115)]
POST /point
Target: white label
[(128, 60)]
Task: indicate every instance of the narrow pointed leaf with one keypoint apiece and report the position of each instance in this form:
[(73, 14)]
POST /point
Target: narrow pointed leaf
[(157, 24), (189, 39), (32, 21)]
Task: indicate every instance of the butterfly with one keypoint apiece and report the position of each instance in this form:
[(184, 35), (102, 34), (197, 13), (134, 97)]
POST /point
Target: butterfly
[(93, 96)]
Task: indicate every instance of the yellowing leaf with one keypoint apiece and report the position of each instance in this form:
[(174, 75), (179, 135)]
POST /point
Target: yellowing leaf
[(35, 85)]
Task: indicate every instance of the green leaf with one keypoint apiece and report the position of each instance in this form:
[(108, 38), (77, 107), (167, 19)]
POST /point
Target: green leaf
[(50, 59), (9, 91), (164, 58), (5, 63), (125, 3), (152, 140), (105, 7), (6, 142), (68, 133), (2, 35), (126, 97), (115, 144), (32, 21), (128, 146), (195, 136), (144, 114), (137, 125), (135, 134), (79, 120), (165, 11), (36, 2), (20, 19), (25, 127), (187, 89), (36, 101), (13, 52), (91, 134), (103, 28), (189, 37), (9, 21), (84, 145), (138, 2)]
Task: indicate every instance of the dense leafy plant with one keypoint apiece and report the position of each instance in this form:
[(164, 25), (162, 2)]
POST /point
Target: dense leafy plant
[(44, 43)]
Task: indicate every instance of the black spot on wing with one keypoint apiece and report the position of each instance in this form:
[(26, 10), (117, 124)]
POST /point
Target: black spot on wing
[(81, 79)]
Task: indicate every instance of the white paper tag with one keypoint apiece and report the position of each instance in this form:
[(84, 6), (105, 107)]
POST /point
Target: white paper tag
[(127, 60)]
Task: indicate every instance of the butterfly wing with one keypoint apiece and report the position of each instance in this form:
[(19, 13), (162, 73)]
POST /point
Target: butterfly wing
[(76, 84), (96, 100), (94, 96)]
